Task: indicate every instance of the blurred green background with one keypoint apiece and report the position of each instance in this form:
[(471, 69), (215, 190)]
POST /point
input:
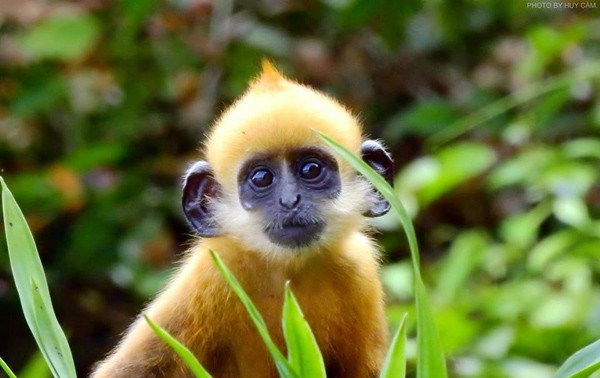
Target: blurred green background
[(491, 109)]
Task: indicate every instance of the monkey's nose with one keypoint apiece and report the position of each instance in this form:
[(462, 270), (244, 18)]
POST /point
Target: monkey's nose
[(289, 201)]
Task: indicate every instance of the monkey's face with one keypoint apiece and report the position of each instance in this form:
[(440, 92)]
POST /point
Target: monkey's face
[(289, 192), (286, 200)]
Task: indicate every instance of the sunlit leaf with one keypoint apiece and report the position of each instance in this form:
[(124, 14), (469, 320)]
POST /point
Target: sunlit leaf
[(186, 355), (303, 351), (66, 38), (582, 363), (27, 271), (395, 361)]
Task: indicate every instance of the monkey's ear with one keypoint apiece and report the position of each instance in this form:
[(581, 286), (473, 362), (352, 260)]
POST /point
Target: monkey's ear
[(380, 160), (199, 187)]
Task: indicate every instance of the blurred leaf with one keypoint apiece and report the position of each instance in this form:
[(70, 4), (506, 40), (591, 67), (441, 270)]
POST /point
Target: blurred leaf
[(283, 366), (186, 355), (303, 352), (423, 119), (6, 369), (550, 247), (398, 280), (463, 257), (63, 38), (42, 91), (582, 363), (572, 211), (431, 177), (430, 359), (582, 148), (35, 367), (27, 269), (394, 365), (522, 229), (521, 168), (95, 155), (567, 178)]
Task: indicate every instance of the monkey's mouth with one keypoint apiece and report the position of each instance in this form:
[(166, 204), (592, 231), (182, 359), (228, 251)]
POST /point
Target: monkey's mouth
[(295, 233)]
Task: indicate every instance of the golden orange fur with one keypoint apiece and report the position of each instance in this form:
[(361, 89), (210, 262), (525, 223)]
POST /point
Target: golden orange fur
[(336, 282)]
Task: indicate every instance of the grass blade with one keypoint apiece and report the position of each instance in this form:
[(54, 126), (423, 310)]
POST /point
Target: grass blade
[(7, 369), (303, 352), (430, 356), (582, 363), (186, 355), (395, 361), (27, 268), (283, 366)]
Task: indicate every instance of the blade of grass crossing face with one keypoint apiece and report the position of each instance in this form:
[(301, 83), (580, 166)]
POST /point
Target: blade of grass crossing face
[(395, 361), (385, 189), (582, 363), (303, 352), (186, 355), (283, 366), (26, 266), (430, 356), (7, 369)]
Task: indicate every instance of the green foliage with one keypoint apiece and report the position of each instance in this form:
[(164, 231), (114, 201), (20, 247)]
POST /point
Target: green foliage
[(186, 355), (47, 40), (33, 290)]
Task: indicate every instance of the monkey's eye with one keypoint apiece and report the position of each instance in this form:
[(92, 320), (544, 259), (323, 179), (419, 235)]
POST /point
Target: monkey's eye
[(262, 178), (311, 170)]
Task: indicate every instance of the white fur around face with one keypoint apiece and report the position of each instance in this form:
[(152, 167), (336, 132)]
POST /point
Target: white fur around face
[(343, 215)]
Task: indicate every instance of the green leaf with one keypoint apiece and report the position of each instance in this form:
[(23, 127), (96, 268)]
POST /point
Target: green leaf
[(7, 369), (432, 176), (64, 38), (430, 357), (464, 256), (303, 352), (186, 355), (35, 367), (27, 271), (283, 366), (395, 361), (581, 364)]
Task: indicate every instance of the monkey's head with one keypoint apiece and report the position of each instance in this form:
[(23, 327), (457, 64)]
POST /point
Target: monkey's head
[(268, 179)]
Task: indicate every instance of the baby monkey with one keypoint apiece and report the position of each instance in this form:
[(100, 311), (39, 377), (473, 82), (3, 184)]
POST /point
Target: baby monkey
[(277, 205)]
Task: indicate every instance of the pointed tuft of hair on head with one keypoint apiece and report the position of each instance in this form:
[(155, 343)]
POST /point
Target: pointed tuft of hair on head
[(269, 77)]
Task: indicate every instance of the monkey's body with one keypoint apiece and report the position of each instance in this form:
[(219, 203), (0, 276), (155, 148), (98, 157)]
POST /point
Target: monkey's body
[(338, 290), (277, 206)]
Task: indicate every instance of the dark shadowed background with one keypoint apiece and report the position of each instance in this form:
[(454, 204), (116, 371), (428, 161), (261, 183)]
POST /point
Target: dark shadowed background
[(490, 108)]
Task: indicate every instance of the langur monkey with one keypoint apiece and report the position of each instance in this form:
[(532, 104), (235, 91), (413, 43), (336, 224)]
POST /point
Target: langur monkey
[(277, 205)]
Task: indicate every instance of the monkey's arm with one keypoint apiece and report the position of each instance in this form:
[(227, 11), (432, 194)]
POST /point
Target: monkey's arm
[(183, 309)]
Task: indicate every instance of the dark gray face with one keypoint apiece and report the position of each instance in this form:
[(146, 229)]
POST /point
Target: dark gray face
[(288, 193)]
